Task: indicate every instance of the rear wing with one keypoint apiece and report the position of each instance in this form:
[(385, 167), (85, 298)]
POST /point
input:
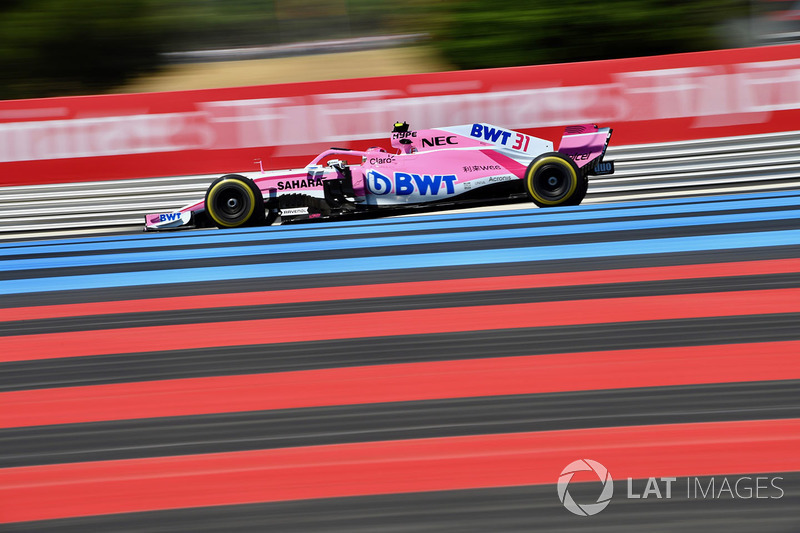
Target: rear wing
[(586, 145)]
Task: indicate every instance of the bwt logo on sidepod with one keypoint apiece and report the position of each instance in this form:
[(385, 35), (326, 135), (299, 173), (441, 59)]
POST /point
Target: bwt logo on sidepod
[(405, 183)]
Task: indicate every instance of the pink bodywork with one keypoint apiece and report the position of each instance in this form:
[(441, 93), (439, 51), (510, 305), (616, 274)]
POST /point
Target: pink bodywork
[(442, 162), (584, 144)]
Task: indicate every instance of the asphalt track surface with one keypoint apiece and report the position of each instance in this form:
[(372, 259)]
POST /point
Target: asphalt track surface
[(431, 373)]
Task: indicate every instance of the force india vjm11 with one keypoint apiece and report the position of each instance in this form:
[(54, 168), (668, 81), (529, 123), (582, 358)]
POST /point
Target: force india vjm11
[(453, 165)]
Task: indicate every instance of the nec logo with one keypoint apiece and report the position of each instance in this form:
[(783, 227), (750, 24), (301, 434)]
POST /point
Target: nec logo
[(168, 217), (440, 141)]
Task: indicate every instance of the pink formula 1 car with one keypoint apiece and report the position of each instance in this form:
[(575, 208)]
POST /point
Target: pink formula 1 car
[(454, 165)]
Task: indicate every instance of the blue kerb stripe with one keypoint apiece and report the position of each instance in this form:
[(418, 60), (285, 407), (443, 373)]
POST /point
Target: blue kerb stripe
[(411, 261), (581, 212), (397, 240), (330, 230)]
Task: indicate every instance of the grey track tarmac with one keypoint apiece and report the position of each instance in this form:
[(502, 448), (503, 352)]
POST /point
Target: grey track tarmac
[(529, 508)]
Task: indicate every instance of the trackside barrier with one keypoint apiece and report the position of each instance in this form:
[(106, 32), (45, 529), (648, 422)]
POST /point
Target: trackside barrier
[(673, 98), (678, 168)]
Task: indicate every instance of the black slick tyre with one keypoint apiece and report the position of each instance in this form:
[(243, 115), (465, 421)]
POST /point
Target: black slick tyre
[(583, 186), (553, 179), (233, 201)]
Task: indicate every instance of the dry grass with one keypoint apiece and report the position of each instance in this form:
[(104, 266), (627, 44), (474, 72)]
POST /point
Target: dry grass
[(385, 62)]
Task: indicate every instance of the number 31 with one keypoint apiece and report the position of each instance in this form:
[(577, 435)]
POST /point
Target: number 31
[(520, 140)]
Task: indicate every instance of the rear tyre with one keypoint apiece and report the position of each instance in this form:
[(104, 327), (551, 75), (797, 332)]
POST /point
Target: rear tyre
[(553, 179), (233, 201), (583, 186)]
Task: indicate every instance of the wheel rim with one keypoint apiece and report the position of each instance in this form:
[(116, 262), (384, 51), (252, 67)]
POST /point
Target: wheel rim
[(231, 203), (552, 182)]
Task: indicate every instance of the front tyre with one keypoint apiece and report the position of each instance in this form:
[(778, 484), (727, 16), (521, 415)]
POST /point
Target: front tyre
[(233, 201), (553, 179)]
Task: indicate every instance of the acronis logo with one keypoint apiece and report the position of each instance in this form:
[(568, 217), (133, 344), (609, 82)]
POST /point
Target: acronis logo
[(405, 183)]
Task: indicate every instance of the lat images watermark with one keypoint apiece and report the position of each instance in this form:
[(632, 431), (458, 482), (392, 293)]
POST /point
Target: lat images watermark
[(664, 488), (586, 509)]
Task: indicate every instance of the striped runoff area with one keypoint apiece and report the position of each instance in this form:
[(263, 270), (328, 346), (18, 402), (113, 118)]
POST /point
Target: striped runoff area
[(407, 374)]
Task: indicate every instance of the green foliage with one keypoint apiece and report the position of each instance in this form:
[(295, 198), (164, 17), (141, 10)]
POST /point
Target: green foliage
[(214, 24), (57, 47), (481, 34), (62, 47)]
